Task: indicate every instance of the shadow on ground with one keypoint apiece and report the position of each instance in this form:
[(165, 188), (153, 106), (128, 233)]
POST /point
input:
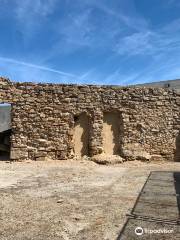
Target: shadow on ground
[(156, 212)]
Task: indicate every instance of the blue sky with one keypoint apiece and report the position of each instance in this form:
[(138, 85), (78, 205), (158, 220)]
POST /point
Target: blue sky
[(90, 41)]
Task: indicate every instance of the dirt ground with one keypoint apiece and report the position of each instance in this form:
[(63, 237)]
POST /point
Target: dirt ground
[(69, 200)]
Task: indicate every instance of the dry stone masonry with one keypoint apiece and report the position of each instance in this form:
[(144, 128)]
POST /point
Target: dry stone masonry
[(61, 121)]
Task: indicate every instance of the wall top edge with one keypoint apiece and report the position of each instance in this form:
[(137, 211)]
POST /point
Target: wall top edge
[(7, 81)]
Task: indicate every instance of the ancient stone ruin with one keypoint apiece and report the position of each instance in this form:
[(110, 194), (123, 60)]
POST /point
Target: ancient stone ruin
[(57, 121)]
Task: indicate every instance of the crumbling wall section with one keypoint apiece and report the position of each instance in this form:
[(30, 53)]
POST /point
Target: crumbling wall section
[(43, 119)]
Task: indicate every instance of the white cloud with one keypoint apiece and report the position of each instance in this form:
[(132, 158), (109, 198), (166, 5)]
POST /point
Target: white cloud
[(75, 29), (30, 65), (162, 68), (147, 43), (31, 14), (135, 44), (29, 8), (172, 3), (172, 27), (91, 77), (119, 78), (114, 29), (81, 29), (132, 22), (22, 71)]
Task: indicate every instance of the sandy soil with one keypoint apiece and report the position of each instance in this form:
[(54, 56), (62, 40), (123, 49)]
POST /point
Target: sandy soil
[(69, 200)]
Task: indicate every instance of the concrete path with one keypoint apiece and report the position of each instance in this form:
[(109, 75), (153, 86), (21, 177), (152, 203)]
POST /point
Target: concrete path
[(156, 211)]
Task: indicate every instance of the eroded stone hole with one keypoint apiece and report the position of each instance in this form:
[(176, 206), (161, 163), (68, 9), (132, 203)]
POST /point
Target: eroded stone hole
[(5, 131), (81, 135), (111, 133), (177, 151)]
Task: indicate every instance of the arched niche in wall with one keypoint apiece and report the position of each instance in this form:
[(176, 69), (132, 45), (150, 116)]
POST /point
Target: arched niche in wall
[(5, 131), (177, 150), (111, 132), (81, 135)]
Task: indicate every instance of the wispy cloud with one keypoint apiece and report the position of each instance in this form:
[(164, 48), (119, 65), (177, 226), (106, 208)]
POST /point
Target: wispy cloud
[(131, 19), (161, 68), (102, 42), (135, 44), (148, 43), (31, 14), (23, 71), (29, 8), (171, 3), (86, 75), (119, 78), (75, 30), (82, 29), (160, 46), (30, 65)]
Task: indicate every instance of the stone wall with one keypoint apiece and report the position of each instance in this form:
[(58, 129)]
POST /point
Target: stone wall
[(43, 119)]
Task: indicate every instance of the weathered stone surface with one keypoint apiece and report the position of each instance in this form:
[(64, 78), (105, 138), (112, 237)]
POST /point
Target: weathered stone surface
[(45, 158), (43, 119), (107, 159), (135, 152), (18, 154), (136, 155), (156, 158)]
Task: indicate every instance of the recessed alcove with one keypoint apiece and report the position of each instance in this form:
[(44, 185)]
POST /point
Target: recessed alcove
[(111, 133), (177, 150), (81, 135), (5, 131)]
